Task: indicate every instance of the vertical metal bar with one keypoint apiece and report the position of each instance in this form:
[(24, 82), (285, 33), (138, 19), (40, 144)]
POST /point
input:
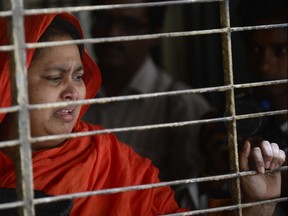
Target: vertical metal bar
[(18, 67), (230, 103)]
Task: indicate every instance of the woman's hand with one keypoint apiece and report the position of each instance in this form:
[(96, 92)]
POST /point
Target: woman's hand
[(262, 186)]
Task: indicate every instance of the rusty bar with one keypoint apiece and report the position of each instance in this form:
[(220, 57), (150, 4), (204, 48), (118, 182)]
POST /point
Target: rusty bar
[(23, 161), (113, 6), (230, 103)]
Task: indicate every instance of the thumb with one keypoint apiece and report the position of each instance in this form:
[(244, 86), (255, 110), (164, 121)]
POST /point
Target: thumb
[(244, 156)]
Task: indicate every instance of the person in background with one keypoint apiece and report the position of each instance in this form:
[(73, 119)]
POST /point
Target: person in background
[(128, 68), (267, 59), (62, 165)]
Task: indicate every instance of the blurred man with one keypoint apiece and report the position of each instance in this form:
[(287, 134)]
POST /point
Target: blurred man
[(128, 68), (267, 59)]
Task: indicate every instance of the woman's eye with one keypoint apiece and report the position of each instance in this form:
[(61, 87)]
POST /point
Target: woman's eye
[(78, 77), (53, 78)]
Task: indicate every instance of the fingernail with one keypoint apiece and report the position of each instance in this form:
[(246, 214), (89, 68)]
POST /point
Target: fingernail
[(262, 170), (267, 164), (273, 166)]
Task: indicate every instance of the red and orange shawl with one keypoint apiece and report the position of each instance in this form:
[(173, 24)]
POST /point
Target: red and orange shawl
[(85, 163)]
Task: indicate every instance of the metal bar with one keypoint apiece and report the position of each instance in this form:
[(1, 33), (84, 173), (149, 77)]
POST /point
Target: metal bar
[(9, 143), (23, 153), (11, 205), (24, 166), (153, 95), (154, 185), (155, 126), (9, 109), (114, 6), (150, 186), (227, 208), (230, 103), (145, 37)]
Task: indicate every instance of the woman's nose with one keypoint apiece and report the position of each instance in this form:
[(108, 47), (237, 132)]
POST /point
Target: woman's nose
[(70, 92)]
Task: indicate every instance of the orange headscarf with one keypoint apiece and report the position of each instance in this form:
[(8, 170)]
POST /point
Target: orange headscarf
[(86, 163)]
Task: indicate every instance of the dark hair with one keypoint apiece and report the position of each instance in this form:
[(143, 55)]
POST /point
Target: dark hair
[(251, 11), (260, 12), (59, 27)]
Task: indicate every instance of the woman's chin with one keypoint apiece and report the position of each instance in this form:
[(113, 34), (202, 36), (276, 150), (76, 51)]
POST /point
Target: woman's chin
[(48, 144)]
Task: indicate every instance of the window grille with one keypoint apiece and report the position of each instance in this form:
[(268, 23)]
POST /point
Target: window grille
[(24, 163)]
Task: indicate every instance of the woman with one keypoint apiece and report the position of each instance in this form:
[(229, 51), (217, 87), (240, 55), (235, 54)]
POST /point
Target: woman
[(64, 166), (61, 74)]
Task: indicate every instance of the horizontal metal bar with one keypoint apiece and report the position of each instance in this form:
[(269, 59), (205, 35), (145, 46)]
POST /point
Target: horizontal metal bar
[(229, 207), (9, 143), (9, 205), (155, 126), (9, 109), (145, 37), (114, 6), (150, 186)]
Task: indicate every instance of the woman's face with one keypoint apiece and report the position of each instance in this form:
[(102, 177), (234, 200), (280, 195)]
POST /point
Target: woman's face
[(55, 76)]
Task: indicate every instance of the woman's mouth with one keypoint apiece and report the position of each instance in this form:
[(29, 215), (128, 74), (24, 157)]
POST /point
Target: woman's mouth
[(66, 114)]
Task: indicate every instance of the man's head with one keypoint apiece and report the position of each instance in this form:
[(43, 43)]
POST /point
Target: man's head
[(124, 57), (267, 49)]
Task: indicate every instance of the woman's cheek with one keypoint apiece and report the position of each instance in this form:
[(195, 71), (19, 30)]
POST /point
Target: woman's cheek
[(34, 95), (83, 92)]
